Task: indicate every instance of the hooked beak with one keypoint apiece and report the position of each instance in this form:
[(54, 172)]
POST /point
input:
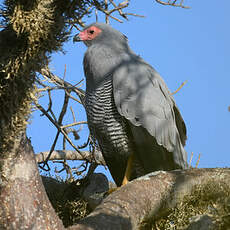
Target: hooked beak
[(77, 38)]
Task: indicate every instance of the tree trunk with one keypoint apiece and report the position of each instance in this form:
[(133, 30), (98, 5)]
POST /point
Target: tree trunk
[(33, 29), (24, 203)]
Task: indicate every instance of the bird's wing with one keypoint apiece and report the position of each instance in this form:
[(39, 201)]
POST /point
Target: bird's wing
[(142, 97)]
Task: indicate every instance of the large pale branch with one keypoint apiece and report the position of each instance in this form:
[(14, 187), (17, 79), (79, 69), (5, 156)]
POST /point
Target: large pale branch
[(95, 157), (149, 196)]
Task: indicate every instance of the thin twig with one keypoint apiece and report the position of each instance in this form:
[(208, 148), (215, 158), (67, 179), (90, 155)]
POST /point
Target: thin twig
[(183, 83), (56, 125), (198, 160), (50, 105), (169, 3), (190, 161), (96, 15), (58, 81), (74, 118), (135, 15), (106, 9), (79, 172), (64, 73), (59, 123)]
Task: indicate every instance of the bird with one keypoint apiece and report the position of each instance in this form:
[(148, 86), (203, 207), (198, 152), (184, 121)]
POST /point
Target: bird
[(130, 110)]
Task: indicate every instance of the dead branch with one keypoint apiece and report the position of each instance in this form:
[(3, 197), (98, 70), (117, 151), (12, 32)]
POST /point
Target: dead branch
[(108, 12), (61, 84), (173, 3), (68, 88), (95, 157), (64, 84), (56, 125), (198, 161)]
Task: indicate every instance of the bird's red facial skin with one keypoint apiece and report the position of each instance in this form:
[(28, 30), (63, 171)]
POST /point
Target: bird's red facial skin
[(90, 33)]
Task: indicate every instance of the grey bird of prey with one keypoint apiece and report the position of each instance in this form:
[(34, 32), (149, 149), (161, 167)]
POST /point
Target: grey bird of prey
[(129, 108)]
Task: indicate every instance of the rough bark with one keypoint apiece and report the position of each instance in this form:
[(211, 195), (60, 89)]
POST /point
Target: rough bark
[(147, 197), (24, 203)]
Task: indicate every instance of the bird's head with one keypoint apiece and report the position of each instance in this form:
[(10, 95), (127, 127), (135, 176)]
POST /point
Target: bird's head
[(100, 33)]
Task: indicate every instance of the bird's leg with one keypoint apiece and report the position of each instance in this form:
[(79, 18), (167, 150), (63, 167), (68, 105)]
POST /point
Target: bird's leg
[(128, 170), (127, 174)]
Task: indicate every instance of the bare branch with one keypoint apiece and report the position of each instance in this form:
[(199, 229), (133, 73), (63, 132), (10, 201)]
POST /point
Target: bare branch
[(95, 157), (74, 124), (65, 129), (56, 125), (59, 123), (198, 161), (50, 106), (173, 3), (116, 8), (190, 161), (135, 15), (74, 118), (60, 82)]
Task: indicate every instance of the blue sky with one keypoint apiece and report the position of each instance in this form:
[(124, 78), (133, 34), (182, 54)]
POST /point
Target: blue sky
[(181, 45)]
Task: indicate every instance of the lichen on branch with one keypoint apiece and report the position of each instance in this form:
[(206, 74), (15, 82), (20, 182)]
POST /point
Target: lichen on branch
[(33, 29)]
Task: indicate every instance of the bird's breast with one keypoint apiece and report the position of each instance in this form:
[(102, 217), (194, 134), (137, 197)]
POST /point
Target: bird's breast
[(99, 103), (104, 120)]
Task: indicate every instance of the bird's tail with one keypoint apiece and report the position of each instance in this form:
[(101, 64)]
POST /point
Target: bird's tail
[(180, 155)]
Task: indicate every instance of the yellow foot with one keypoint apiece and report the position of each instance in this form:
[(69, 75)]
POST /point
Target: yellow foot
[(125, 181), (128, 170), (112, 190)]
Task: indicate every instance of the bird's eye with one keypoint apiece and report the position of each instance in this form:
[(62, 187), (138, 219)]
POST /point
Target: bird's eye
[(91, 31)]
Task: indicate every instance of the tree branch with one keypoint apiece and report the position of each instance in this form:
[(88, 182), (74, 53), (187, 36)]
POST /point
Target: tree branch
[(150, 196), (60, 82), (173, 3), (95, 157)]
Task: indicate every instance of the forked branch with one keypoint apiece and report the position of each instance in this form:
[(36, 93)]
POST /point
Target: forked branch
[(173, 3)]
